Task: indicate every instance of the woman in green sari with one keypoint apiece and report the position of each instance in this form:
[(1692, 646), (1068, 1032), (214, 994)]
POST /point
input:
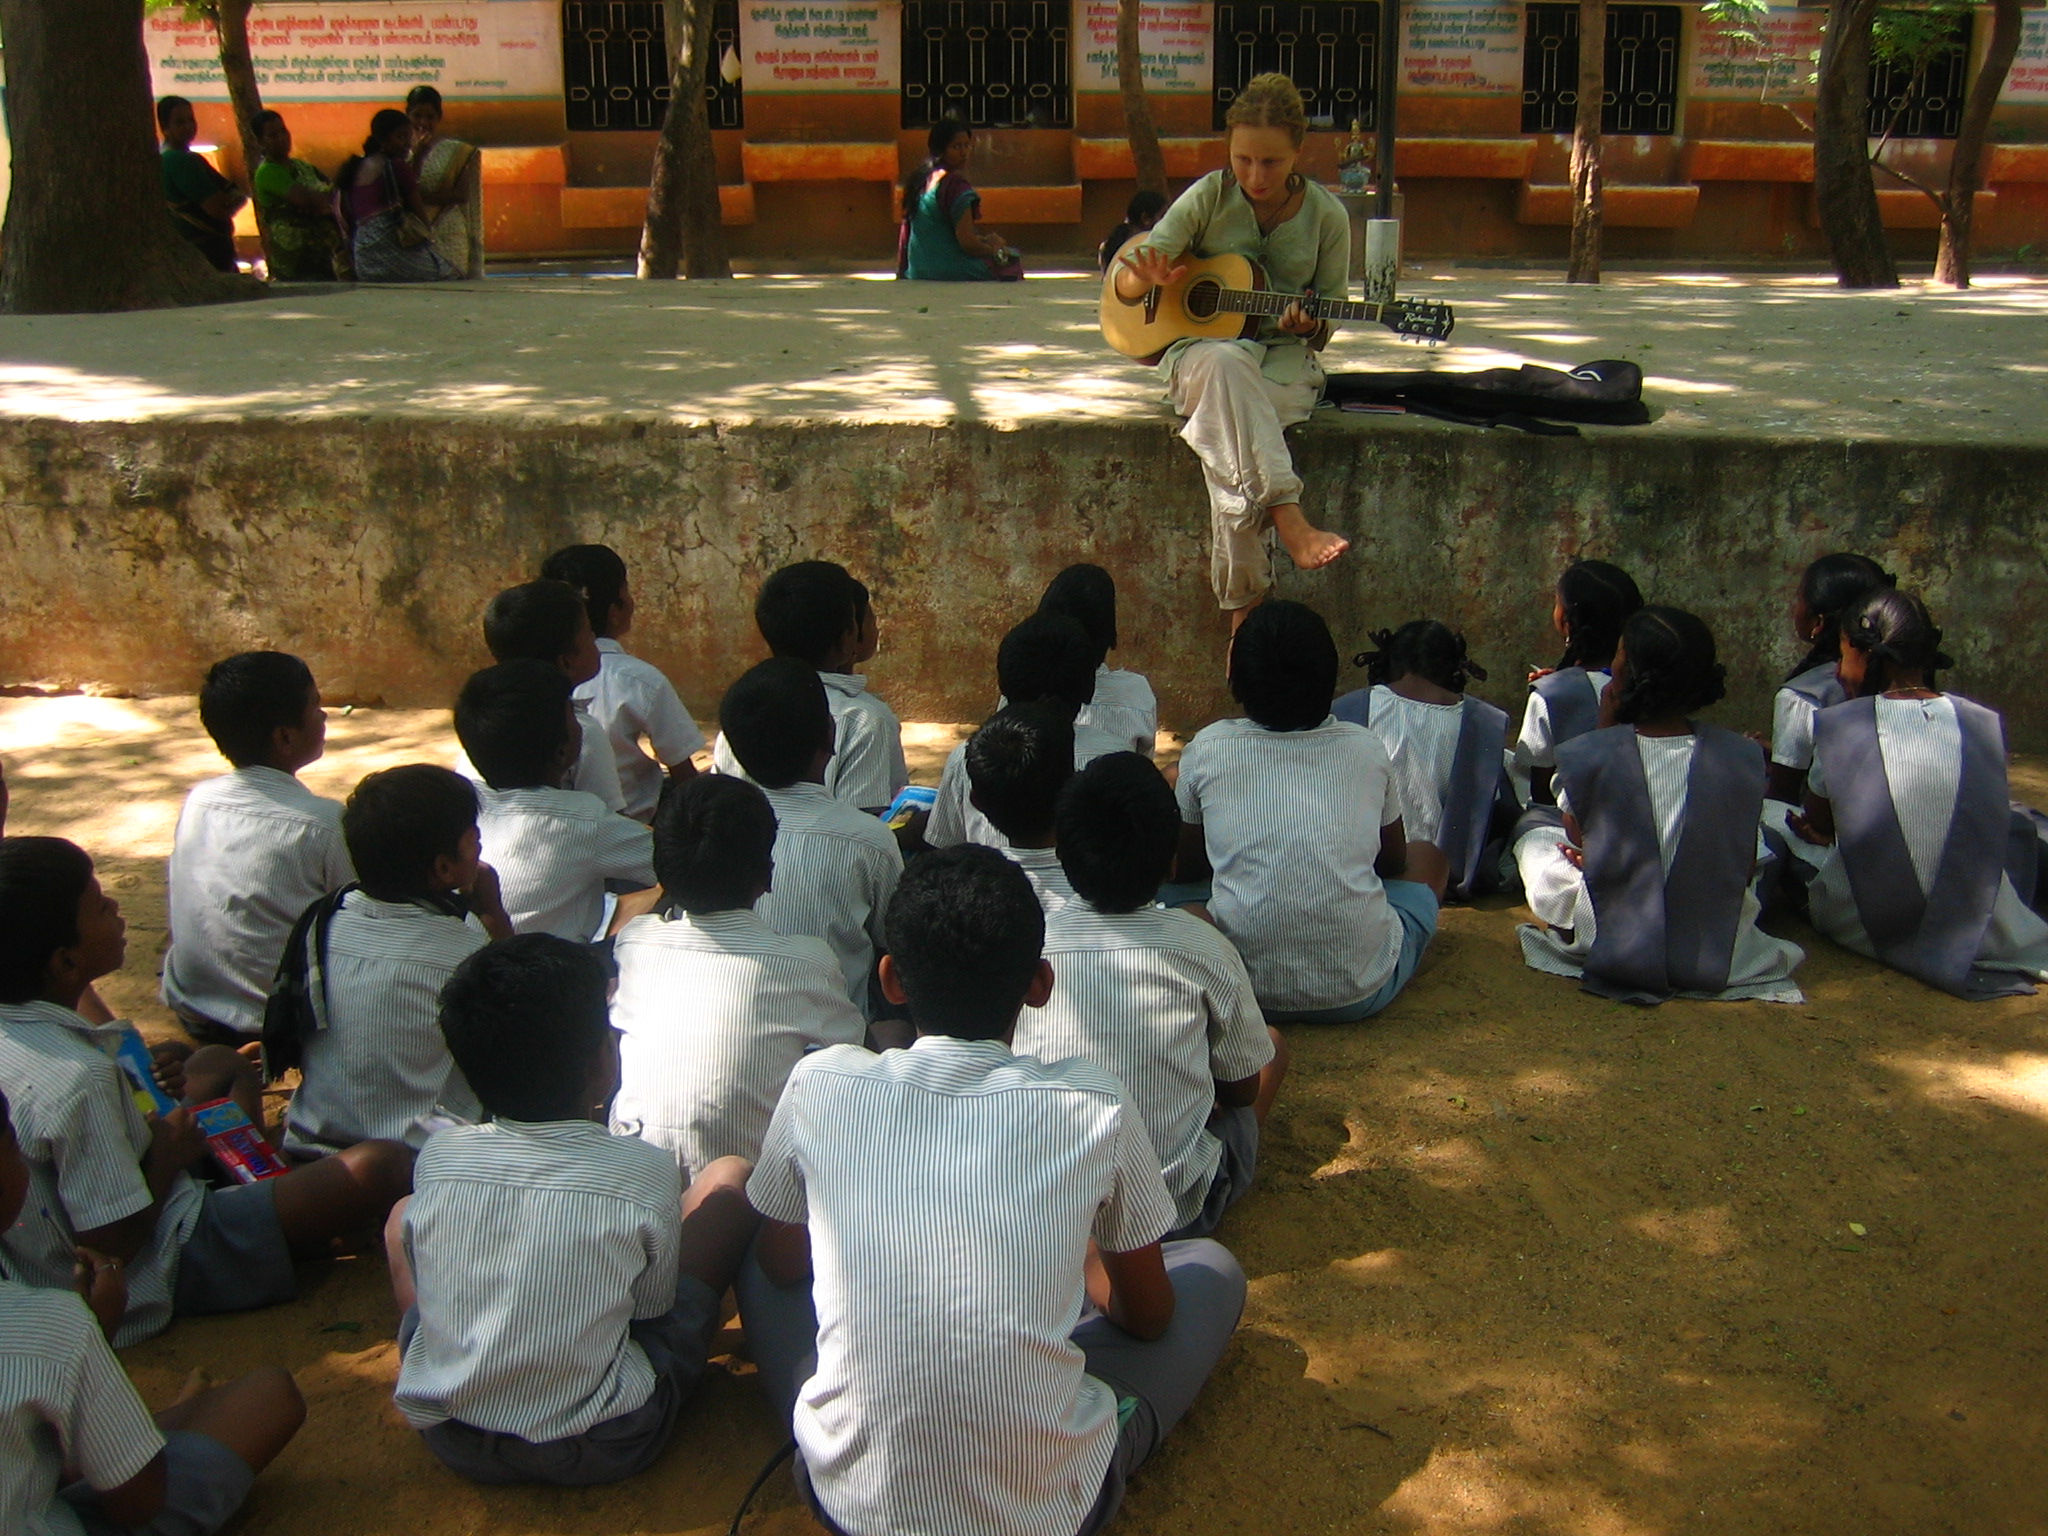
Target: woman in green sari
[(940, 242), (451, 184), (300, 236)]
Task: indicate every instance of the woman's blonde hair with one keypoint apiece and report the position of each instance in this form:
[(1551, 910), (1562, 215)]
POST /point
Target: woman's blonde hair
[(1268, 101)]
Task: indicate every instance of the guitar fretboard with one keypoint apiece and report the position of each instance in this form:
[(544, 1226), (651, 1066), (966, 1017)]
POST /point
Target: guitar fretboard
[(1248, 301)]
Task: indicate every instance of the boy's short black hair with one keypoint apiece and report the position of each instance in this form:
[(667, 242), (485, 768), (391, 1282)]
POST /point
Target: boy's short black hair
[(1048, 658), (1283, 667), (399, 821), (1119, 827), (513, 721), (1087, 595), (714, 843), (965, 934), (775, 718), (248, 697), (524, 1020), (595, 571), (537, 621), (1017, 764), (806, 609), (165, 106), (42, 880)]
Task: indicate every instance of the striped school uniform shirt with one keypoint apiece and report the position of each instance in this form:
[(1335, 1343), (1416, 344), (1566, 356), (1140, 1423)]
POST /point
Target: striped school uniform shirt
[(712, 1010), (1047, 875), (1291, 820), (1536, 747), (83, 1140), (378, 1066), (1162, 1000), (533, 1246), (950, 1191), (954, 818), (1125, 707), (1422, 744), (554, 849), (835, 869), (629, 701), (253, 850), (65, 1403), (867, 770)]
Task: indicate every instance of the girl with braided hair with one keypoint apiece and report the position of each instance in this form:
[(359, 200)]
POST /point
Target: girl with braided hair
[(1832, 586), (1907, 821), (1593, 601), (1448, 750), (1652, 893)]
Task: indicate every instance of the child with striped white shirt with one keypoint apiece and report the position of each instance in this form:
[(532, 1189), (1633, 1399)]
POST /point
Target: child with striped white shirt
[(559, 1287), (1830, 589), (1294, 816), (835, 866), (644, 719), (69, 1414), (959, 1291), (556, 850), (1157, 996), (1123, 705), (1017, 764), (359, 1014), (1592, 601), (546, 621), (713, 1005)]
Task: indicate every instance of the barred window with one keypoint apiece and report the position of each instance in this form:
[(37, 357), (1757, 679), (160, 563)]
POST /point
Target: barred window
[(615, 65), (989, 63), (1641, 70), (1924, 102), (1328, 48)]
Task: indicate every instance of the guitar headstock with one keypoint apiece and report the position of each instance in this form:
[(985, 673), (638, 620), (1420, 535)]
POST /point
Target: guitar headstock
[(1425, 319)]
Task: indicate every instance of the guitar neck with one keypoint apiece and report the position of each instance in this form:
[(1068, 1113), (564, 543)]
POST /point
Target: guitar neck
[(1249, 301)]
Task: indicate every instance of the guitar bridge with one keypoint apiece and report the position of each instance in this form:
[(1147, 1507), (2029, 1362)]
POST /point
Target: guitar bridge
[(1152, 297)]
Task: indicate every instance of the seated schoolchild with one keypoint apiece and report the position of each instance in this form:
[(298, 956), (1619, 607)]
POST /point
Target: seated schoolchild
[(1830, 588), (1907, 821), (835, 865), (553, 848), (630, 700), (358, 1010), (1294, 816), (100, 1176), (1017, 764), (559, 1287), (1448, 749), (817, 613), (547, 621), (71, 1420), (713, 1005), (1157, 996), (924, 1297), (1591, 601), (253, 849), (1124, 705), (1046, 659), (1650, 893)]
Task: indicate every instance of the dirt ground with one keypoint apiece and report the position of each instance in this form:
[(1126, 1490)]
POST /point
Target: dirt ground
[(1522, 1260)]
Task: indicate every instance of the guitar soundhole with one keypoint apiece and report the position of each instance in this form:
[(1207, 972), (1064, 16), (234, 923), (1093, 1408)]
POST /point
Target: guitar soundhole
[(1201, 298)]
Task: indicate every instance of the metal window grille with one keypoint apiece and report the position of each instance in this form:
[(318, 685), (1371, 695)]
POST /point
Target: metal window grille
[(1641, 69), (989, 63), (1931, 106), (1328, 48), (615, 65)]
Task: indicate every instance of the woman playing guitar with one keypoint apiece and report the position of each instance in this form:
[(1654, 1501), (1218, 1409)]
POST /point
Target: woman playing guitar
[(1239, 396)]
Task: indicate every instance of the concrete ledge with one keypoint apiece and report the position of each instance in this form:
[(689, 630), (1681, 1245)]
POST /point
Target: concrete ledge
[(526, 165), (1623, 206), (626, 207), (1746, 160), (2017, 162), (1490, 159), (1110, 159), (818, 161), (1031, 205), (1908, 208)]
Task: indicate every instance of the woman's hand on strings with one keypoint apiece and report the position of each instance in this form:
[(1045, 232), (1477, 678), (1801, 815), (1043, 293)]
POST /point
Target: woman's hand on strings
[(1147, 268)]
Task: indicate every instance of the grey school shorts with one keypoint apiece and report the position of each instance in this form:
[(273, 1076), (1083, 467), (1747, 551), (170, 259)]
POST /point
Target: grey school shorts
[(236, 1259), (677, 1345), (1238, 1130), (204, 1485)]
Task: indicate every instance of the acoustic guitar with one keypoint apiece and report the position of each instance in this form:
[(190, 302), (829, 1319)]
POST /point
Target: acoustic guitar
[(1224, 298)]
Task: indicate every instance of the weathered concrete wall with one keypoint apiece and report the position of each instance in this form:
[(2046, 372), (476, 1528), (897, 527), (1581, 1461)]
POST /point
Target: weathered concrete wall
[(137, 554)]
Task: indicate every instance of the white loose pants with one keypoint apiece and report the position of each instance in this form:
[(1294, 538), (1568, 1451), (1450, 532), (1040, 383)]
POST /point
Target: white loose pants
[(1235, 420)]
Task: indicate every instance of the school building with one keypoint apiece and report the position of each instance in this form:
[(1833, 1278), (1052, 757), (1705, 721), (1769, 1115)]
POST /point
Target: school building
[(820, 106)]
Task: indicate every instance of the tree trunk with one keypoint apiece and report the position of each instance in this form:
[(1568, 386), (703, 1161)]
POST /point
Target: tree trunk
[(1586, 181), (78, 113), (1844, 192), (685, 228), (1146, 155), (230, 20), (1966, 167)]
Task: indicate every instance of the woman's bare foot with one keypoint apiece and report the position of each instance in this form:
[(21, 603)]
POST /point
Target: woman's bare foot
[(1309, 547)]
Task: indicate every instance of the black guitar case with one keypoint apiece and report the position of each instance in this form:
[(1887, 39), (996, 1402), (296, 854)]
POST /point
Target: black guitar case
[(1606, 393)]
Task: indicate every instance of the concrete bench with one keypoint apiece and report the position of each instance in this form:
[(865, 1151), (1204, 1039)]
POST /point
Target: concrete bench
[(1623, 206)]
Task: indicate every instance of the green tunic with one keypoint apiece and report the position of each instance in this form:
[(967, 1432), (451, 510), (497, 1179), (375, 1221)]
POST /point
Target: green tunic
[(1311, 250)]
